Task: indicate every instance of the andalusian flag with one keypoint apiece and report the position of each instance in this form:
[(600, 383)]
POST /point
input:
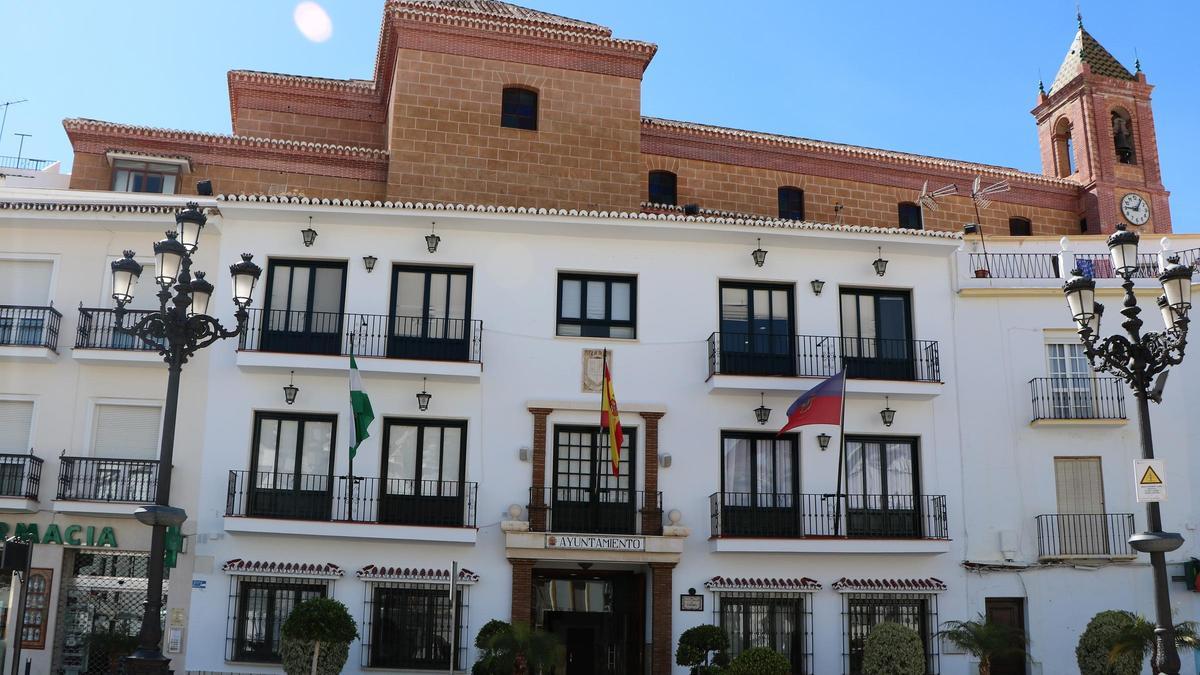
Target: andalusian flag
[(360, 407), (610, 417)]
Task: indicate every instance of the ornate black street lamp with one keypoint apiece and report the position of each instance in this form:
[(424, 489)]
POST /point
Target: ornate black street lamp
[(1141, 360), (179, 329)]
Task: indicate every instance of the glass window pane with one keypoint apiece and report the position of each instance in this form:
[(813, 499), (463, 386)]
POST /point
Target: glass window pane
[(764, 462), (874, 468), (900, 472), (281, 280), (438, 293), (401, 458), (121, 180), (268, 440), (737, 465), (457, 308), (410, 303), (327, 301), (784, 477), (431, 454), (595, 299), (573, 330), (619, 332), (318, 437), (854, 467), (285, 455), (298, 299), (451, 454), (571, 294), (620, 301)]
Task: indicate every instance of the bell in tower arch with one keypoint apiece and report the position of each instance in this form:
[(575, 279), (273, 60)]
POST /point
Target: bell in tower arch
[(1122, 137)]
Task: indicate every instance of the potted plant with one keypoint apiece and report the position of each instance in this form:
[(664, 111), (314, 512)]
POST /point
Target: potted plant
[(703, 650), (760, 661), (518, 649), (318, 630), (985, 640), (893, 649)]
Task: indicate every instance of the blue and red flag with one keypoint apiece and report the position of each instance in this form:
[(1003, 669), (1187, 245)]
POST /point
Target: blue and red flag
[(820, 405)]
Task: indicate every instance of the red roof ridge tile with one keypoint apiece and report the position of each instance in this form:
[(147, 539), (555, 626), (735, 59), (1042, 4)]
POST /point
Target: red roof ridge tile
[(268, 567), (801, 584), (415, 574), (926, 584)]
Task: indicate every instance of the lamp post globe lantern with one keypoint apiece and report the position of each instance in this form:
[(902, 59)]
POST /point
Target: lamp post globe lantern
[(245, 275), (1093, 324), (125, 274), (1080, 292), (1168, 314), (1176, 281), (168, 257), (201, 293), (1122, 247), (188, 224)]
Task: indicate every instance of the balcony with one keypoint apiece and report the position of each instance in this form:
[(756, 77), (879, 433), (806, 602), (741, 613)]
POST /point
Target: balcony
[(741, 361), (24, 163), (450, 347), (20, 481), (1047, 266), (28, 331), (268, 498), (97, 339), (1077, 400), (94, 485), (595, 511), (825, 523), (1084, 535)]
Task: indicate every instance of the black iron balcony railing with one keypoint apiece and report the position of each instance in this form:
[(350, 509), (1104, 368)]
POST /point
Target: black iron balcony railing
[(325, 498), (20, 476), (823, 356), (1095, 535), (97, 330), (595, 511), (24, 163), (29, 326), (96, 479), (792, 516), (331, 333), (1015, 265), (1077, 398)]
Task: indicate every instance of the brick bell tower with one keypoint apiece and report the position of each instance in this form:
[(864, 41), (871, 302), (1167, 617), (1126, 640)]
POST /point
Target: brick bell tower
[(1095, 127)]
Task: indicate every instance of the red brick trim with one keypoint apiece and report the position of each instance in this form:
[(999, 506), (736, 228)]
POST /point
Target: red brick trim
[(537, 510), (661, 608), (521, 610), (652, 512)]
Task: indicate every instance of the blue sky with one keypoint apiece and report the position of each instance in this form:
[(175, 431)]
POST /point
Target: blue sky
[(952, 78)]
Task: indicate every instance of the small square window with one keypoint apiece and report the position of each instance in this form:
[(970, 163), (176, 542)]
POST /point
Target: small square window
[(791, 203), (597, 306), (131, 176), (519, 109), (910, 216), (662, 188), (1020, 227)]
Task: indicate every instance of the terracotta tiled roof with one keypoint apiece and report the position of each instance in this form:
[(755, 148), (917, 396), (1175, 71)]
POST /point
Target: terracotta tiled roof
[(329, 83), (856, 151), (928, 585), (435, 576), (225, 140), (282, 569), (800, 585), (1085, 48), (503, 11), (749, 221), (98, 207)]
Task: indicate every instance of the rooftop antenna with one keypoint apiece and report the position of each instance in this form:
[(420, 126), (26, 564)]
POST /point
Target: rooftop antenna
[(21, 147), (928, 200), (4, 117), (1137, 61)]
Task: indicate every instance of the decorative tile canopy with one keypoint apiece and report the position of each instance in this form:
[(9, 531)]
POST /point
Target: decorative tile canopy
[(926, 585), (283, 569), (415, 574), (794, 585)]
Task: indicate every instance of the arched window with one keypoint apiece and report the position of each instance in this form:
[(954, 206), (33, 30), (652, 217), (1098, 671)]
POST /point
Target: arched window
[(910, 216), (1123, 144), (791, 203), (1020, 227), (662, 188), (519, 108), (1064, 150)]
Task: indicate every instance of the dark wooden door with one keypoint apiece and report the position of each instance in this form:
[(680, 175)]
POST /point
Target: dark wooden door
[(581, 650), (1007, 612), (303, 309), (757, 329)]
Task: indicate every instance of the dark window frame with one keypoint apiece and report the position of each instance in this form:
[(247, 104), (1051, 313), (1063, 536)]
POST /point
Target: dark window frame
[(598, 467), (656, 191), (904, 216), (260, 415), (791, 203), (877, 604), (1020, 227), (515, 104), (801, 659), (592, 327), (429, 271), (914, 443), (312, 280), (793, 438), (375, 633), (240, 587), (308, 340), (141, 170), (419, 457)]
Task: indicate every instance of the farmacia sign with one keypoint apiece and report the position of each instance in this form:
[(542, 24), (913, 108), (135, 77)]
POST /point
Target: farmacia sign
[(71, 535)]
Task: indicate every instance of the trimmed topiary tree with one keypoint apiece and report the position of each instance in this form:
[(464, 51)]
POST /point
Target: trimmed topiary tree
[(703, 649), (321, 627), (893, 649), (760, 661), (1093, 653), (488, 656)]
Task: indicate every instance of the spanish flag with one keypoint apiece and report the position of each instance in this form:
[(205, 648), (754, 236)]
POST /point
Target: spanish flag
[(610, 417)]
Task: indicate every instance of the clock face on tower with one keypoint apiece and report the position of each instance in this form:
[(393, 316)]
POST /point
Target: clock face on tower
[(1135, 209)]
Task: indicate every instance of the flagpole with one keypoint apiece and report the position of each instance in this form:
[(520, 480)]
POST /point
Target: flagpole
[(350, 452), (837, 499)]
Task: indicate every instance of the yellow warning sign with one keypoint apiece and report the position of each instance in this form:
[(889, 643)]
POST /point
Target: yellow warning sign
[(1150, 478)]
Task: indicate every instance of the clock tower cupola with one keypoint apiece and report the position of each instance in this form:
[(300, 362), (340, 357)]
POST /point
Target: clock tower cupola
[(1095, 127)]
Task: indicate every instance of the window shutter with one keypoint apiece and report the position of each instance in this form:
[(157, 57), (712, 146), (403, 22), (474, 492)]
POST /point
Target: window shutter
[(25, 282), (1079, 486), (126, 431), (16, 421)]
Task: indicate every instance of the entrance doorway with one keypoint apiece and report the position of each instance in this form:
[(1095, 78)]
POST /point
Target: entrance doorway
[(1007, 612), (598, 616)]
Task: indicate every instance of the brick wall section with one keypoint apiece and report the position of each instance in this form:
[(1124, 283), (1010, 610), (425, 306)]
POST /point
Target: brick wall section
[(537, 509), (522, 590), (447, 143), (661, 606), (652, 512), (311, 128)]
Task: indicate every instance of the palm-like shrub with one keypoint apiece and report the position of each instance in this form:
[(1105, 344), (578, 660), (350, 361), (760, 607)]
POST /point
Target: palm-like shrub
[(703, 649), (1136, 637), (760, 661), (522, 650), (893, 649), (487, 665), (985, 640), (321, 627)]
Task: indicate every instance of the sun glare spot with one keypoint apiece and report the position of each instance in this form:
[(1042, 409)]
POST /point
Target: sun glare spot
[(313, 21)]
